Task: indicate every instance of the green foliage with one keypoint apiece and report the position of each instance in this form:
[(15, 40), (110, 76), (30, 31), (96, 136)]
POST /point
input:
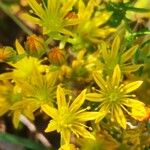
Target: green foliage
[(26, 143)]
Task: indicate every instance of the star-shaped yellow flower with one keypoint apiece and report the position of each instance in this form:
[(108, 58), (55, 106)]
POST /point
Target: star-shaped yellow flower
[(52, 18), (69, 118), (114, 98), (113, 56)]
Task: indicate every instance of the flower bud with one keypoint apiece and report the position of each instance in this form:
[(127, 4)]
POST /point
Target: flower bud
[(6, 53), (35, 45), (56, 56)]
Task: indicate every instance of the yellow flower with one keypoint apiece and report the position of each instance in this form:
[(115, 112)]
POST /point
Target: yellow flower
[(69, 118), (53, 16), (40, 87), (23, 69), (91, 26), (6, 53), (11, 99), (114, 98), (25, 107), (112, 57)]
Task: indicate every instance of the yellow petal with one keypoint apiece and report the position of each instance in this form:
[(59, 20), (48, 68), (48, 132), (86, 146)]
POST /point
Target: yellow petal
[(4, 109), (67, 7), (65, 31), (61, 100), (105, 53), (16, 117), (115, 47), (30, 18), (66, 135), (51, 126), (99, 80), (131, 68), (37, 8), (132, 86), (19, 48), (86, 116), (4, 106), (19, 105), (116, 77), (138, 113), (78, 101), (102, 112), (129, 53), (94, 97), (129, 102), (50, 111), (120, 118), (84, 133), (53, 6)]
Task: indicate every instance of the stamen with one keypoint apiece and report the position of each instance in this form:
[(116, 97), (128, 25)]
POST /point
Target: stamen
[(133, 95), (107, 77), (82, 110), (93, 88), (88, 108), (90, 128), (121, 90), (116, 87)]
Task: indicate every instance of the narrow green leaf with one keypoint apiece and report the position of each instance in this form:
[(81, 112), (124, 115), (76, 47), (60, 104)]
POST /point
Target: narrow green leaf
[(27, 143)]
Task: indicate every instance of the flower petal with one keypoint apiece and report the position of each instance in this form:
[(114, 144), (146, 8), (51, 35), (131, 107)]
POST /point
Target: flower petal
[(115, 47), (67, 7), (86, 116), (37, 8), (50, 111), (94, 97), (132, 86), (120, 118), (83, 132), (131, 68), (78, 101), (129, 53), (61, 100), (138, 113), (105, 53), (16, 117), (19, 48), (99, 80), (129, 102), (66, 135), (116, 76), (102, 112), (51, 126)]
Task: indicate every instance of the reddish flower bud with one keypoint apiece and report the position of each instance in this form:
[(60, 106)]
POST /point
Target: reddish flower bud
[(56, 56), (35, 45)]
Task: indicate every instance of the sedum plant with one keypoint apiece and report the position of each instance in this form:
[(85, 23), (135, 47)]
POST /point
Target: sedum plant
[(69, 118), (52, 16), (115, 98), (82, 76)]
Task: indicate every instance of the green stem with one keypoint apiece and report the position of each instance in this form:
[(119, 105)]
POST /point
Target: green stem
[(138, 9), (6, 10)]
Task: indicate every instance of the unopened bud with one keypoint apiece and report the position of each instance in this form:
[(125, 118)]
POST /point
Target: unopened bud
[(6, 53), (35, 45), (56, 56)]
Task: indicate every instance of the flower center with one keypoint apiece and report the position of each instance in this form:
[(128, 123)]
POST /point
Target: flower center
[(114, 96), (66, 118)]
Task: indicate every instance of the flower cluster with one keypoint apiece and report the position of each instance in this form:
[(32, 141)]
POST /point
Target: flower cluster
[(80, 72)]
